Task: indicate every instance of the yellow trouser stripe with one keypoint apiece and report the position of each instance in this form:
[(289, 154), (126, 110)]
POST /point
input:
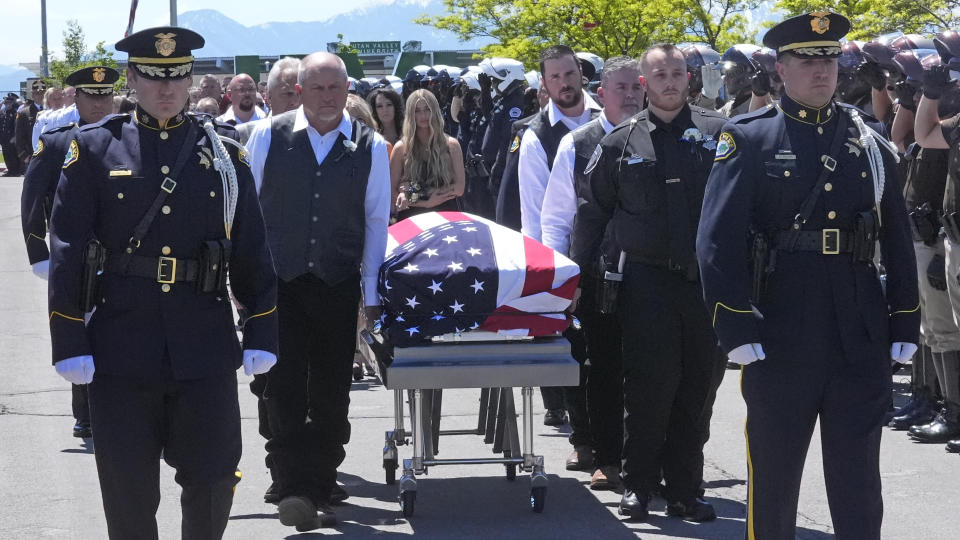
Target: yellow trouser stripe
[(64, 316), (264, 313), (746, 436), (914, 310), (40, 238), (722, 305)]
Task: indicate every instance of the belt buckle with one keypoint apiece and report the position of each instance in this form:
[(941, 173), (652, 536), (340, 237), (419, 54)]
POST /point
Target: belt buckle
[(831, 242), (167, 270)]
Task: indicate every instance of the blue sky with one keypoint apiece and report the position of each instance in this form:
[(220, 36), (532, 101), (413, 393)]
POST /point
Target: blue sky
[(106, 20)]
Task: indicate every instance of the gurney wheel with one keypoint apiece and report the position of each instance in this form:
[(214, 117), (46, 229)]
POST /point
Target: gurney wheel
[(538, 497), (390, 470), (407, 499)]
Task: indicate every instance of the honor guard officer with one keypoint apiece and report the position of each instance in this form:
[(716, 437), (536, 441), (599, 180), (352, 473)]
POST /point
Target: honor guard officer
[(813, 187), (647, 178), (94, 87), (151, 216)]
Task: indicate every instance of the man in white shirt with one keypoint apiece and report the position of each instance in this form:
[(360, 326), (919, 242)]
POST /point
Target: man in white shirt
[(622, 94), (242, 92), (324, 185), (281, 93)]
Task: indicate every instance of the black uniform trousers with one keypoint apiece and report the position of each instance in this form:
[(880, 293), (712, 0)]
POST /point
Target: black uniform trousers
[(195, 424), (785, 396), (604, 387), (308, 391), (477, 197), (574, 398), (80, 403), (11, 159), (669, 361)]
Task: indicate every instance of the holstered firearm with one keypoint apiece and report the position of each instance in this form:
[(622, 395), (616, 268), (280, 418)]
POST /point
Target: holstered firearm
[(608, 286), (214, 265), (762, 260), (924, 224), (93, 257), (476, 167), (866, 229)]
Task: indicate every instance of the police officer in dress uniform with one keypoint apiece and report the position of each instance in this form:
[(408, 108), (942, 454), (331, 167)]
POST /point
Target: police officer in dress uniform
[(324, 184), (647, 178), (811, 188), (26, 118), (94, 101), (141, 200)]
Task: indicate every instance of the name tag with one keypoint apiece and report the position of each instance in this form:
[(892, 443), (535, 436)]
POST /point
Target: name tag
[(637, 159), (673, 180), (785, 156), (121, 172)]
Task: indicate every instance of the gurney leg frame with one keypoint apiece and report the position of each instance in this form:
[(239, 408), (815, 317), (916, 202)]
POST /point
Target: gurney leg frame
[(394, 438)]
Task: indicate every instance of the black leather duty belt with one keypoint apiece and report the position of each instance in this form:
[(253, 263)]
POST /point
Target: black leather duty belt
[(825, 241), (691, 272), (161, 269)]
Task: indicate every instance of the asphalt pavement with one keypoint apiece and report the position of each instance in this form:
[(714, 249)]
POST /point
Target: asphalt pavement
[(49, 488)]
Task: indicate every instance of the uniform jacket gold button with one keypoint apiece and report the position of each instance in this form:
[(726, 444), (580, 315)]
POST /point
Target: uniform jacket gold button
[(165, 250), (213, 194), (863, 174), (164, 135), (119, 195), (786, 173), (165, 287), (165, 169), (828, 186), (165, 209), (831, 215)]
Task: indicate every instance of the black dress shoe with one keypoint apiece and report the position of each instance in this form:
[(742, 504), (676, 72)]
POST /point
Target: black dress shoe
[(272, 495), (82, 431), (922, 413), (634, 505), (940, 430), (338, 495), (555, 417), (953, 446), (697, 510)]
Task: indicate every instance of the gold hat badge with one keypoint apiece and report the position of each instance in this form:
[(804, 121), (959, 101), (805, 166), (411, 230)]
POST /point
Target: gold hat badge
[(99, 74), (165, 44), (820, 21)]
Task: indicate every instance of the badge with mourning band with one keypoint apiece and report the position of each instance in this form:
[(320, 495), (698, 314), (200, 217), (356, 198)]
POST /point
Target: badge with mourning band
[(725, 147)]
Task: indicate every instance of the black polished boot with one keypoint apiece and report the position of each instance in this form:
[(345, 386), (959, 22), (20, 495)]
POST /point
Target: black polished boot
[(945, 426), (921, 413), (696, 510), (634, 505), (953, 446)]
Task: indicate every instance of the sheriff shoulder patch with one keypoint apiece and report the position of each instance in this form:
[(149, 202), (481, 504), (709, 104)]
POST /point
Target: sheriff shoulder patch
[(243, 157), (39, 148), (73, 154), (725, 147), (515, 145), (594, 159)]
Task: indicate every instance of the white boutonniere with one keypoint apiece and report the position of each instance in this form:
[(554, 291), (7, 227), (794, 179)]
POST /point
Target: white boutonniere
[(349, 145)]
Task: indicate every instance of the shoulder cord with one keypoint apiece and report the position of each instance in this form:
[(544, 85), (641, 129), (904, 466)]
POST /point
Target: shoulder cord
[(875, 158), (228, 174)]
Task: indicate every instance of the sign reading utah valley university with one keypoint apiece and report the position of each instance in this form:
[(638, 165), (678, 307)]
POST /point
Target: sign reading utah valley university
[(370, 47)]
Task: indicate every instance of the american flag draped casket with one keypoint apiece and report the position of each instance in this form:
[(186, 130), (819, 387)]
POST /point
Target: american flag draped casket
[(454, 272)]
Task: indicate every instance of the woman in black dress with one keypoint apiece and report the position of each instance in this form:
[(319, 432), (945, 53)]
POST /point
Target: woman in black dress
[(426, 167)]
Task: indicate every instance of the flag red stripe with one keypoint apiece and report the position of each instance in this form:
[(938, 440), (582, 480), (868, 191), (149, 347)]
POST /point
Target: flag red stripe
[(507, 318), (404, 231), (540, 269), (568, 288), (455, 216)]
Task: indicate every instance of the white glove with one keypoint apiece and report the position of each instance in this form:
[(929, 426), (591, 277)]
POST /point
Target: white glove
[(76, 369), (902, 352), (41, 269), (746, 354), (256, 362), (712, 80)]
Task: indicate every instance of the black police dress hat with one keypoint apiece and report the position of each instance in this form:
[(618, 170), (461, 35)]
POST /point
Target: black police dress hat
[(161, 53), (93, 80), (813, 35)]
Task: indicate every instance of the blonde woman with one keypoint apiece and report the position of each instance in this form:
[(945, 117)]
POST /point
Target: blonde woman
[(426, 167)]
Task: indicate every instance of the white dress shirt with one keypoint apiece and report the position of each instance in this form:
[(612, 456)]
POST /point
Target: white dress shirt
[(38, 124), (534, 171), (229, 115), (376, 203), (560, 196)]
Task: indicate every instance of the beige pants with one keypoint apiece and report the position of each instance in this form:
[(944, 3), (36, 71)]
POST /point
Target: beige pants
[(939, 310)]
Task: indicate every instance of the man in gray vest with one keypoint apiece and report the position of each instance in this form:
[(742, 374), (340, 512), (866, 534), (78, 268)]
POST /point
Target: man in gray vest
[(569, 108), (622, 94), (324, 184)]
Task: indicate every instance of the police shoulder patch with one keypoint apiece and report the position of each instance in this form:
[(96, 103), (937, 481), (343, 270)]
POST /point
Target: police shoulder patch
[(243, 157), (515, 112), (594, 159), (515, 145), (39, 148), (726, 146), (73, 154)]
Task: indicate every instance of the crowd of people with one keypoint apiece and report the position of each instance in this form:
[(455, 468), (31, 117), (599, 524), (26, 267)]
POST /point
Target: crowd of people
[(725, 210)]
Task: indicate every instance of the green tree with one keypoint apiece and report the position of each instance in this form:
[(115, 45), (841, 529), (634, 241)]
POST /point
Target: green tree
[(76, 56), (871, 18), (522, 28)]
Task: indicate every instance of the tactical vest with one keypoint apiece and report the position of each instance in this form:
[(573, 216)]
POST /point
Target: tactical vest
[(315, 213), (926, 178)]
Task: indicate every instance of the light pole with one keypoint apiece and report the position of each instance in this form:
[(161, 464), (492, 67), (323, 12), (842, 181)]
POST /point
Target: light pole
[(173, 12), (44, 67)]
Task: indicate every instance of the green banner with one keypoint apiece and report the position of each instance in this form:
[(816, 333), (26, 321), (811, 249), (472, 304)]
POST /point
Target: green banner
[(376, 47), (249, 65)]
